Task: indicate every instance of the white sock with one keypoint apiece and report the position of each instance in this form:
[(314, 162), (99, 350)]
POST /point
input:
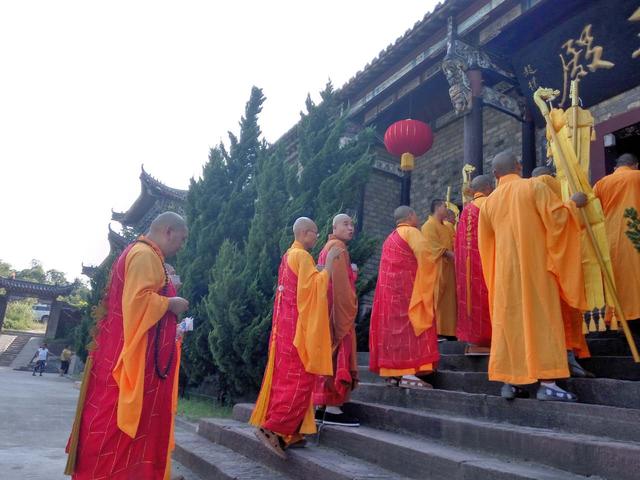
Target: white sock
[(550, 385), (411, 377), (334, 410)]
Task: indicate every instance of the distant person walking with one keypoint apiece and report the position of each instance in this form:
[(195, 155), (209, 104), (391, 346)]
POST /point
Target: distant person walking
[(65, 359), (42, 354)]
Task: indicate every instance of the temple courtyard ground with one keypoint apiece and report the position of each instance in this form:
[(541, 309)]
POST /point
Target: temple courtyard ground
[(37, 414)]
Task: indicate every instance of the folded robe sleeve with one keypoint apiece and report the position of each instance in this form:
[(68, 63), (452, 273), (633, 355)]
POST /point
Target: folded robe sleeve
[(563, 244), (313, 333), (487, 249), (142, 308), (422, 303)]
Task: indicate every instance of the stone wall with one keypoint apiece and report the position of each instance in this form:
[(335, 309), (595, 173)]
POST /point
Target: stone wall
[(616, 105), (442, 165)]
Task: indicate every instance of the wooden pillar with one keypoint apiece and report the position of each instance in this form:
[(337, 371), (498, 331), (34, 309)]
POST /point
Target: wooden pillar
[(528, 145), (4, 299), (473, 124)]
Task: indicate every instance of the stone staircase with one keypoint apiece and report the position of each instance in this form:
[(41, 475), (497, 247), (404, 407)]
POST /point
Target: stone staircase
[(460, 430), (16, 346)]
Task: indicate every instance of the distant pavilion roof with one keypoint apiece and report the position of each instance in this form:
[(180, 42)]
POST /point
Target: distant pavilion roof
[(40, 290), (151, 190)]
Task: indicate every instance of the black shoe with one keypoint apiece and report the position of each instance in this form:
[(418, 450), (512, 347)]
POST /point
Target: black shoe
[(341, 419)]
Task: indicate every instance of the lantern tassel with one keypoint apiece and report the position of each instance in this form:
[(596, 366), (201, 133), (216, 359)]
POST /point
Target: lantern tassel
[(407, 162)]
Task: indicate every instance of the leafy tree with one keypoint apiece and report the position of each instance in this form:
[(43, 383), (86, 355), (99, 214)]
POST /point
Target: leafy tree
[(33, 274), (633, 233), (5, 269), (55, 277)]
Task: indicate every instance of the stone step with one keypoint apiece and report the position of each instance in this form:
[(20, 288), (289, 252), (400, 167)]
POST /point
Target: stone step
[(601, 421), (12, 351), (580, 454), (419, 457), (211, 461), (305, 463), (599, 391)]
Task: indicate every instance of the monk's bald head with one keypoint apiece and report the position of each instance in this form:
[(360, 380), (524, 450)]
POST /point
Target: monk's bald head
[(627, 160), (343, 227), (505, 163), (405, 214), (543, 170), (169, 232), (305, 231), (168, 220), (482, 184)]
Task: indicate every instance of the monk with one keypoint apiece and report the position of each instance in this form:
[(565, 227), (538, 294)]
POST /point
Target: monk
[(529, 245), (439, 236), (617, 192), (300, 345), (572, 319), (332, 392), (474, 321), (403, 340), (124, 420)]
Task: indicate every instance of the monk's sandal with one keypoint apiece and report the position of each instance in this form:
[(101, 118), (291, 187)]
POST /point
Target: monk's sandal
[(555, 394), (510, 392)]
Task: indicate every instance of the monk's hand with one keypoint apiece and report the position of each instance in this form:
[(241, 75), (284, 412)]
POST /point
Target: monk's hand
[(334, 253), (450, 255), (178, 305), (580, 199)]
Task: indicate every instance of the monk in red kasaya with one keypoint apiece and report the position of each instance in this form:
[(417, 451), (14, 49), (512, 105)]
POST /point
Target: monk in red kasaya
[(300, 345), (474, 321), (403, 341), (331, 392), (124, 421)]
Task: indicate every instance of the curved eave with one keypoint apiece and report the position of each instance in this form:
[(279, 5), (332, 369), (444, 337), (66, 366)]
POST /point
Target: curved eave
[(40, 290)]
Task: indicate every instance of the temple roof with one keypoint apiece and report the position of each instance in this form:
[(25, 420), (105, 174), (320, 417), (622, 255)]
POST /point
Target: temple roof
[(39, 290), (151, 190)]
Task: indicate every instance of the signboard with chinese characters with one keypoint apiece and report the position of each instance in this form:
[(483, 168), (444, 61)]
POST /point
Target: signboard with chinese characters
[(596, 46)]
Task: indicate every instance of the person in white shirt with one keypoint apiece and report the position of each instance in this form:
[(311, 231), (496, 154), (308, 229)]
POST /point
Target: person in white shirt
[(43, 355)]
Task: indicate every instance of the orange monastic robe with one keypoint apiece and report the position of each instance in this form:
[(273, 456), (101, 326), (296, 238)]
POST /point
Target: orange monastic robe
[(439, 237), (300, 347), (617, 192), (343, 308), (572, 318), (529, 244)]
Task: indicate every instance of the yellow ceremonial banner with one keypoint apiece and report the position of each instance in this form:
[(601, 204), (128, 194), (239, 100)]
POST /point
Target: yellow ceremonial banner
[(565, 139)]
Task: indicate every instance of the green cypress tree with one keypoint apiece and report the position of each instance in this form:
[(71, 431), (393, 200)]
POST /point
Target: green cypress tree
[(219, 206), (328, 178)]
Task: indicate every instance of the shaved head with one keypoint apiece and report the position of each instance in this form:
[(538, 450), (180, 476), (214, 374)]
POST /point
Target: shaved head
[(169, 232), (306, 232), (303, 224), (543, 170), (403, 213), (627, 160), (167, 220), (505, 163), (341, 217), (482, 184)]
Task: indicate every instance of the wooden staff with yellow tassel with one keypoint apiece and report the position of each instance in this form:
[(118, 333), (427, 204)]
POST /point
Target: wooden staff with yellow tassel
[(539, 97)]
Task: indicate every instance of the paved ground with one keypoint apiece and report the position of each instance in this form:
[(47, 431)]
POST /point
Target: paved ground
[(37, 413)]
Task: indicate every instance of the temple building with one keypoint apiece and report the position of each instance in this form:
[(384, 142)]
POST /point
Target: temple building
[(469, 70), (155, 197)]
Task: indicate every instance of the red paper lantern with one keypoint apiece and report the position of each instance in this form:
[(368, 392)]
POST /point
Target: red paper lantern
[(408, 139)]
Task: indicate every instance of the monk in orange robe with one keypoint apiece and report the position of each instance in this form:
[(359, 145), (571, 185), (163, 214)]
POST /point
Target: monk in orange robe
[(530, 250), (617, 192), (124, 421), (331, 392), (300, 344), (474, 321), (439, 236), (403, 340), (573, 319)]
